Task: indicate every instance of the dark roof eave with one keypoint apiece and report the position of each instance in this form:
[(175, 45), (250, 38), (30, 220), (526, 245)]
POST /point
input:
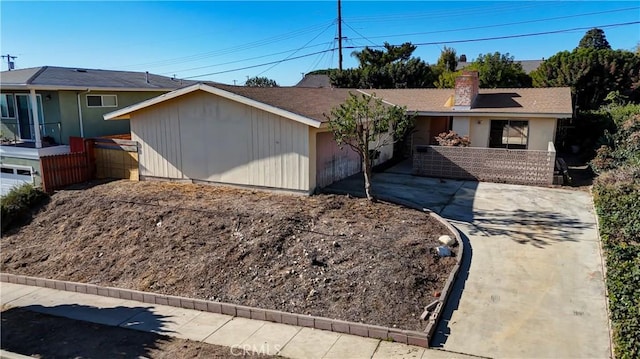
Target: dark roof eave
[(80, 88), (476, 113)]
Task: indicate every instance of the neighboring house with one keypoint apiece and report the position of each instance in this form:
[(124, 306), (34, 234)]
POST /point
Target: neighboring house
[(278, 138), (315, 81), (69, 102)]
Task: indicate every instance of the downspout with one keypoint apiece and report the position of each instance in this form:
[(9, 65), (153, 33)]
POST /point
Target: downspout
[(80, 112)]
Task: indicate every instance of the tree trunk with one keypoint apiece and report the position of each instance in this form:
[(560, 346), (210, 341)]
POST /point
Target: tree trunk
[(366, 164)]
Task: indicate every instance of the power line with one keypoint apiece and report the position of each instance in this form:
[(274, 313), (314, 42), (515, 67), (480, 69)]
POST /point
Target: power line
[(247, 46), (260, 65), (296, 51), (243, 60), (516, 36), (430, 43), (449, 13), (501, 25), (362, 36)]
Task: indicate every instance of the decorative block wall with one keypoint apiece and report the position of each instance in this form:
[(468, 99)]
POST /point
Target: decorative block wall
[(486, 164)]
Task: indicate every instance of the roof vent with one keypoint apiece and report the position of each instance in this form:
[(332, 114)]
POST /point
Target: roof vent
[(81, 70)]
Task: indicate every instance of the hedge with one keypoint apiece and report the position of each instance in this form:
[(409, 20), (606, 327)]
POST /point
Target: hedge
[(16, 205), (616, 194)]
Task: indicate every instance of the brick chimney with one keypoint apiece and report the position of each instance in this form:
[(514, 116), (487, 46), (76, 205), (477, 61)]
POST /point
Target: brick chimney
[(467, 86)]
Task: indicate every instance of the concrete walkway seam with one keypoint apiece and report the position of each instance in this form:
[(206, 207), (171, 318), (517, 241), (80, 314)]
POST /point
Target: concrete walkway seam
[(359, 329)]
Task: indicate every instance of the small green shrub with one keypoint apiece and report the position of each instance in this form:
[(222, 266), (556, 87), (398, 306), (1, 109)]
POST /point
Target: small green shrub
[(16, 204)]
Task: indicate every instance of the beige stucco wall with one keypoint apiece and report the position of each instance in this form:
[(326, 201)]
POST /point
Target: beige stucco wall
[(201, 136), (541, 131)]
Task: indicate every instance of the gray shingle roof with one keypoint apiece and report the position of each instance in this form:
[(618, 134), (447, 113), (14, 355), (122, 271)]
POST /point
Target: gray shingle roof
[(81, 78), (549, 100), (314, 102), (310, 102), (314, 81)]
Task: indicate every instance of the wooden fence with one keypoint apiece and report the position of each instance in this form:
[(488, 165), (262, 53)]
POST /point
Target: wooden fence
[(100, 158), (63, 170), (116, 158)]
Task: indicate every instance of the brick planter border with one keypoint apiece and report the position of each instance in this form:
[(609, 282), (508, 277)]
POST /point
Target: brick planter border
[(360, 329)]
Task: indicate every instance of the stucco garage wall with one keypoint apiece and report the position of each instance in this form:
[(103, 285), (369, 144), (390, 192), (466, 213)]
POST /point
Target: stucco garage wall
[(201, 136), (332, 162)]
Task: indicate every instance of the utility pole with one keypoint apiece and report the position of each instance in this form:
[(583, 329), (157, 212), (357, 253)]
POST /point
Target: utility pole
[(339, 36), (10, 64)]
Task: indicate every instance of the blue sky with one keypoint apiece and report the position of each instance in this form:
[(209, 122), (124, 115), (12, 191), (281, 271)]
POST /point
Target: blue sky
[(212, 38)]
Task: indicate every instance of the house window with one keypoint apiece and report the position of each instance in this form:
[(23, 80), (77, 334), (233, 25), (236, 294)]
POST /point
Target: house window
[(102, 101), (7, 106), (510, 134)]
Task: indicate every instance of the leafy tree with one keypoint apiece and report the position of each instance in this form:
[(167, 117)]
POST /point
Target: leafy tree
[(392, 67), (366, 124), (445, 69), (594, 39), (494, 70), (592, 74), (500, 70), (260, 82), (447, 79), (448, 60)]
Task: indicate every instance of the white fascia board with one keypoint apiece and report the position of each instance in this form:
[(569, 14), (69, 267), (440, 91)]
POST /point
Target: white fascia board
[(125, 112), (497, 114)]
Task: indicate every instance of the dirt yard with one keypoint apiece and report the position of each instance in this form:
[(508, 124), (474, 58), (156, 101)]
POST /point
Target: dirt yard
[(326, 255)]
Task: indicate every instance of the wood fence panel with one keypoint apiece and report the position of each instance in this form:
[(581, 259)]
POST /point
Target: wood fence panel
[(59, 171), (116, 158)]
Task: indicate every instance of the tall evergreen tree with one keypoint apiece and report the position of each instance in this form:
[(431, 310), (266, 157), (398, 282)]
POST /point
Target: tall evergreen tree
[(393, 67), (594, 39)]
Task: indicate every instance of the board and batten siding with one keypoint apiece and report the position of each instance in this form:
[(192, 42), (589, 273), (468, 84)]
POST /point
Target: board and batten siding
[(201, 136)]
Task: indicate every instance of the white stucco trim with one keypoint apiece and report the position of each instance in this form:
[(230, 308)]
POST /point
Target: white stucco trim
[(125, 113)]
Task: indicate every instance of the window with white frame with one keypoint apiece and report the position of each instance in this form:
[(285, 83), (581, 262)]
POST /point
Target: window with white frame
[(102, 101), (7, 106), (512, 134)]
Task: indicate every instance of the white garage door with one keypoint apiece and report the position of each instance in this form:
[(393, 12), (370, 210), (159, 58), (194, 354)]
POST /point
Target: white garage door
[(13, 176)]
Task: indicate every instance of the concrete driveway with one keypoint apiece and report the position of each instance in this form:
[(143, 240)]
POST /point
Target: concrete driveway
[(532, 281)]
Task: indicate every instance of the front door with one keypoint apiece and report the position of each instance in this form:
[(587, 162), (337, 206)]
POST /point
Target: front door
[(25, 117)]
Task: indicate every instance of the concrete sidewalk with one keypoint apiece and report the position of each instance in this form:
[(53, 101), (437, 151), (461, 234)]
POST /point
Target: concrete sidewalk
[(233, 332)]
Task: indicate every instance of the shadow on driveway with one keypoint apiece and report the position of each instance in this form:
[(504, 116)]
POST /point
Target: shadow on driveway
[(537, 228), (38, 331)]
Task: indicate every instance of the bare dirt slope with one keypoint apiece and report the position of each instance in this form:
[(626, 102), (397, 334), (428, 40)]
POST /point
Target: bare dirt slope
[(326, 255)]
